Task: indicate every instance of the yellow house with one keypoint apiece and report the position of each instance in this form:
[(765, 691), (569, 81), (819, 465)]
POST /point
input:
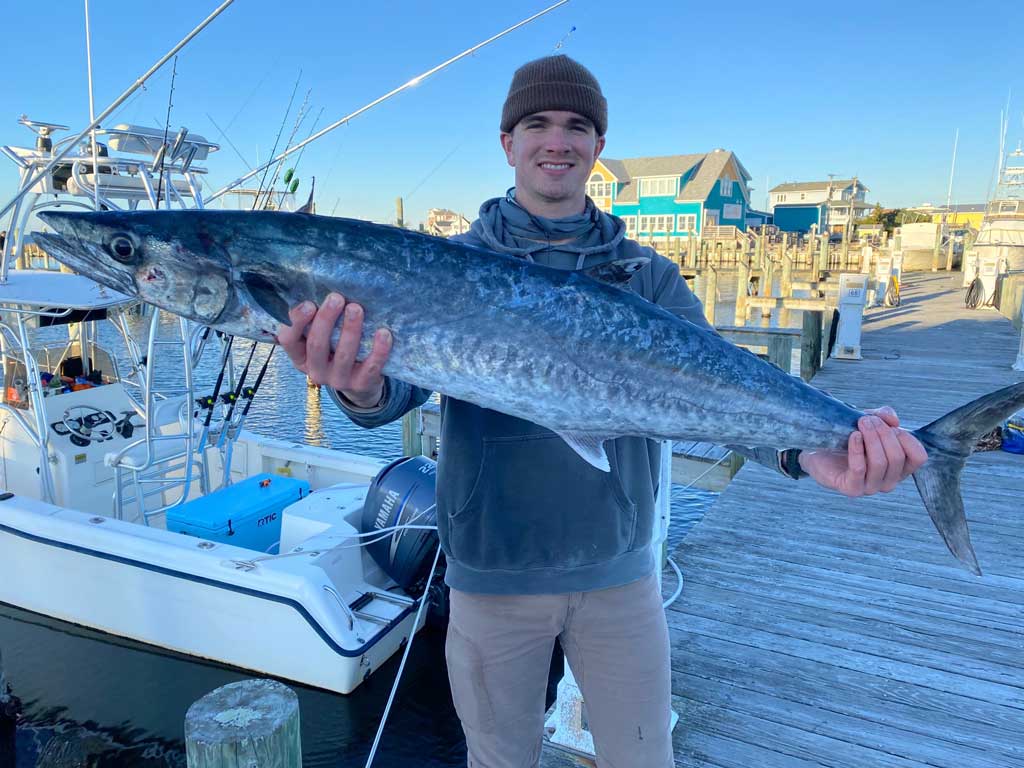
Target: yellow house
[(603, 183), (961, 215)]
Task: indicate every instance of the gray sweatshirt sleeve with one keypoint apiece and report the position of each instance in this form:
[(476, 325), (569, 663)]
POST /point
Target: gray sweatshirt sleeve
[(672, 293), (399, 398)]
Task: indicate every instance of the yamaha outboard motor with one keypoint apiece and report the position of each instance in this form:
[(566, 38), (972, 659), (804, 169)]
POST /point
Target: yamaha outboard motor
[(403, 493)]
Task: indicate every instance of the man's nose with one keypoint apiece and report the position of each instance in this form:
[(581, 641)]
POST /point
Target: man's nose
[(557, 140)]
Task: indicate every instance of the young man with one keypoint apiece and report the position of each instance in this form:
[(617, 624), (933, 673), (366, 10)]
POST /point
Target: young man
[(539, 544)]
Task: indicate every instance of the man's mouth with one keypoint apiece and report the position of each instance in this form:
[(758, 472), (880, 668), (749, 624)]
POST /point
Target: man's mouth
[(556, 166)]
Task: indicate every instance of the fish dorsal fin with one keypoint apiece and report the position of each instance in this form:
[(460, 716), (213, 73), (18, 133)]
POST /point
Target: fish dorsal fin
[(267, 295), (618, 271), (589, 447), (309, 207)]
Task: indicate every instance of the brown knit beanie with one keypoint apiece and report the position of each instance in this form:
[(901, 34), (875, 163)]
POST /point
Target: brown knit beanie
[(554, 82)]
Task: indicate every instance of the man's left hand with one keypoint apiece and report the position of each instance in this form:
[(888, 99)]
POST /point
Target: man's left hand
[(879, 457)]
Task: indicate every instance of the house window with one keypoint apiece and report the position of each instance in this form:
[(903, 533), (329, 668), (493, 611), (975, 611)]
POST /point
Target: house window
[(802, 195), (630, 222), (686, 222), (782, 199), (599, 189), (658, 223), (726, 187), (665, 185)]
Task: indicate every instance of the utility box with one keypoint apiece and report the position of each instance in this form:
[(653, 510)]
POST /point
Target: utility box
[(971, 268), (990, 269), (246, 514), (852, 294)]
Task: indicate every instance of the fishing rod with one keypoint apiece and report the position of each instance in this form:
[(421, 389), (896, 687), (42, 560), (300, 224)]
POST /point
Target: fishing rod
[(210, 402), (277, 139), (248, 393), (230, 398), (106, 113), (167, 128), (394, 92), (300, 118)]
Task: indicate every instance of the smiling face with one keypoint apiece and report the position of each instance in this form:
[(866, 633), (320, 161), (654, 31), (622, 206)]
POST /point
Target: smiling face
[(553, 153)]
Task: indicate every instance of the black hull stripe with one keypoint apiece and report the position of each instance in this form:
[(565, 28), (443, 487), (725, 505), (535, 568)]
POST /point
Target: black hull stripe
[(294, 604)]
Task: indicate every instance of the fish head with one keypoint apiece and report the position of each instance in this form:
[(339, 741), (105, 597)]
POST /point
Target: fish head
[(162, 258)]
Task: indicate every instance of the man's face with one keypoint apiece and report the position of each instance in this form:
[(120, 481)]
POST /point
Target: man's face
[(553, 153)]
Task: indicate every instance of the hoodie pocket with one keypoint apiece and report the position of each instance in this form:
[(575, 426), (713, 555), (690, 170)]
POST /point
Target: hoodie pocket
[(534, 504)]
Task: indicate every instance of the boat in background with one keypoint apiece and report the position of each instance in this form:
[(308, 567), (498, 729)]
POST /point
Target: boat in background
[(150, 512)]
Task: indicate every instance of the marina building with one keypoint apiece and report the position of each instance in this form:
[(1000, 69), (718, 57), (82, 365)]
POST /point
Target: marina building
[(825, 205)]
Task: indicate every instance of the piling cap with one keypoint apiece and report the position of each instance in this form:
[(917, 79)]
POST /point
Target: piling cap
[(554, 82)]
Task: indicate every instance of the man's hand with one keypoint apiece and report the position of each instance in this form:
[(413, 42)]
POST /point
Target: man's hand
[(307, 342), (878, 457)]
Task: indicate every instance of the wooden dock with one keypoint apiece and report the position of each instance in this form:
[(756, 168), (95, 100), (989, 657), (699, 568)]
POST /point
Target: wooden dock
[(815, 631)]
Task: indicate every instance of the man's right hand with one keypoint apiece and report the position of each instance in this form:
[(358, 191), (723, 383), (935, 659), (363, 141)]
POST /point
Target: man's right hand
[(307, 342)]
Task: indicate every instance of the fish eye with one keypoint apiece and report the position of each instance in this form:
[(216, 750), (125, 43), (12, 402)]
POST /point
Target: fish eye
[(122, 248)]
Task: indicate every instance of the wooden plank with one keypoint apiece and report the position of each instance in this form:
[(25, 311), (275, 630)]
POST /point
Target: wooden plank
[(841, 632)]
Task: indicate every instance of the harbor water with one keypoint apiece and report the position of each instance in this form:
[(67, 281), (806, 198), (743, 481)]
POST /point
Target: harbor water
[(93, 700)]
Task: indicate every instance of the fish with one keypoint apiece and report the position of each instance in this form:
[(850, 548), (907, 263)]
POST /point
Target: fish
[(580, 356)]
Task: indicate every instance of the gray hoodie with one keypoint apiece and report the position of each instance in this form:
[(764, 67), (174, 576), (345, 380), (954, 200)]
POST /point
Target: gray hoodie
[(519, 512)]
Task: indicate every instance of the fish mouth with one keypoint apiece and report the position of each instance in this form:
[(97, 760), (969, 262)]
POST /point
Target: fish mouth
[(82, 259)]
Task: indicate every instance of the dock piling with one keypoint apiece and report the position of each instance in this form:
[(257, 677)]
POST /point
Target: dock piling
[(244, 724)]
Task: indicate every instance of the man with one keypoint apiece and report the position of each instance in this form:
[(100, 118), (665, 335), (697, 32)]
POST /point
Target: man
[(539, 544)]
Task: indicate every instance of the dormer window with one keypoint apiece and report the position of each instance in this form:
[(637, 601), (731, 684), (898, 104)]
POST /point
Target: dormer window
[(663, 186), (725, 186)]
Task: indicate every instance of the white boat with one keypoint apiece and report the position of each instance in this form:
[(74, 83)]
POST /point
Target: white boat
[(148, 516)]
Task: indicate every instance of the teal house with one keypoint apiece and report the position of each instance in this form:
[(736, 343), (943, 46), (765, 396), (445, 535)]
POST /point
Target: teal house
[(673, 196)]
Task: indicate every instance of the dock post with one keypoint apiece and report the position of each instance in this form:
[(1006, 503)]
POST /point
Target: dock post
[(822, 264), (949, 254), (810, 343), (786, 285), (742, 285), (239, 725), (412, 433), (936, 248), (710, 293)]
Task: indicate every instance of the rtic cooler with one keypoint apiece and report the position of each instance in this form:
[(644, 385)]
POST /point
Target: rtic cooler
[(246, 514)]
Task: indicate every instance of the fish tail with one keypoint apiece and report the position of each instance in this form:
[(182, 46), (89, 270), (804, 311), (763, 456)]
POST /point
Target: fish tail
[(949, 440)]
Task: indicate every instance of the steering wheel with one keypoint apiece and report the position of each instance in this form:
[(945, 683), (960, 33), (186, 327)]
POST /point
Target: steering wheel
[(101, 429)]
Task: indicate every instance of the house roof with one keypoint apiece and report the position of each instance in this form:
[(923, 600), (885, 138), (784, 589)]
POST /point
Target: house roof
[(616, 168), (709, 167), (804, 186)]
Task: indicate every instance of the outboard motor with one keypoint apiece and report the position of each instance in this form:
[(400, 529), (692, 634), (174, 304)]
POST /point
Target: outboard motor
[(403, 493)]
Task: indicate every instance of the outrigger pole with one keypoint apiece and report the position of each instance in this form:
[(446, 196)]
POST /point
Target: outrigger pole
[(415, 81), (117, 102)]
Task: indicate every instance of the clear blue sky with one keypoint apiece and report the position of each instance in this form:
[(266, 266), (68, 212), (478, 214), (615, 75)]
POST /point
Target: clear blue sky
[(797, 89)]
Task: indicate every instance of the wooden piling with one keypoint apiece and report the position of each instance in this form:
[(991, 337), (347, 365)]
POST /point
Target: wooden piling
[(949, 254), (810, 344), (239, 725), (786, 286), (822, 264), (742, 285), (936, 248), (710, 293), (412, 433)]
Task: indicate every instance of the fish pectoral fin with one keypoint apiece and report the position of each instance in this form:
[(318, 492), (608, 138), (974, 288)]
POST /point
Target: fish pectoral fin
[(265, 293), (589, 447)]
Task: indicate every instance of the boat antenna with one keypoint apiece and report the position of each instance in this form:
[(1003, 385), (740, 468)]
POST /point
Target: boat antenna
[(280, 130), (230, 143), (167, 128), (952, 168), (92, 113), (31, 183), (415, 81)]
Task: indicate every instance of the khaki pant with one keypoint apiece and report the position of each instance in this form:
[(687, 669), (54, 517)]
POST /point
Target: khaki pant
[(616, 642)]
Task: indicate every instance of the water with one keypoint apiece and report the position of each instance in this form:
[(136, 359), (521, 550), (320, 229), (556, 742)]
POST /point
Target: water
[(94, 700)]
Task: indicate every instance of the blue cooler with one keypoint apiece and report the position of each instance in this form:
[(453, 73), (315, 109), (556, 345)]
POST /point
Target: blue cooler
[(246, 514)]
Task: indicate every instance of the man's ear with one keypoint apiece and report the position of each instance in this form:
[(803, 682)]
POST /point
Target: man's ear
[(506, 144), (598, 147)]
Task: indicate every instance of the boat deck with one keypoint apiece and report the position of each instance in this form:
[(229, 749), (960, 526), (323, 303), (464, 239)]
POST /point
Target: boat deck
[(814, 630)]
